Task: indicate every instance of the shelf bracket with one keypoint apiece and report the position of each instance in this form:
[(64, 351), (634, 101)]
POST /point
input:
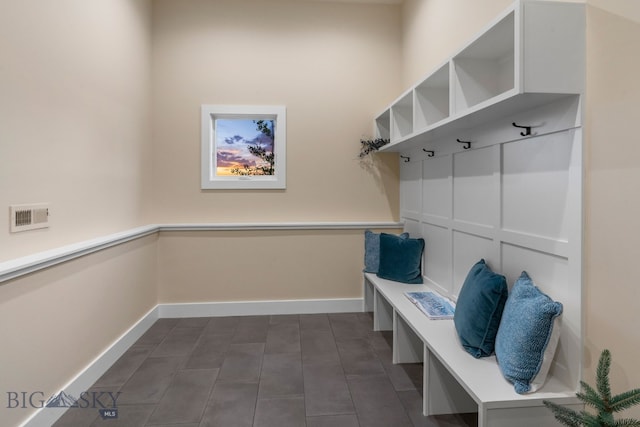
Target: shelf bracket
[(527, 129), (406, 159), (430, 153), (467, 144)]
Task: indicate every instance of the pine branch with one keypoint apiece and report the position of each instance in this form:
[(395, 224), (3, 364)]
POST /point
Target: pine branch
[(626, 422), (625, 400), (602, 376), (590, 420), (566, 416), (601, 400), (590, 397)]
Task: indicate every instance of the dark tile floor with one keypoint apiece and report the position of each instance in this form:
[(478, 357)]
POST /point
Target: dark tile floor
[(315, 370)]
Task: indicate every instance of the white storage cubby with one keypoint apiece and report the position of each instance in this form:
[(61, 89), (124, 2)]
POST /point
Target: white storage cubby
[(432, 99), (402, 117), (383, 125), (530, 55), (486, 68)]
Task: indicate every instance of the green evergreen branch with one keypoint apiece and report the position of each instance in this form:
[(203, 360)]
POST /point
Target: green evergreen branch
[(602, 375), (590, 397), (625, 400), (600, 399), (566, 416)]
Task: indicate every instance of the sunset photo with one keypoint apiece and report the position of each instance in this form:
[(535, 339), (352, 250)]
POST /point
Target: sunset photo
[(244, 147)]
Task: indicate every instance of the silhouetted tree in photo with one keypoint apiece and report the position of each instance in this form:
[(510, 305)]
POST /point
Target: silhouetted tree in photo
[(262, 149)]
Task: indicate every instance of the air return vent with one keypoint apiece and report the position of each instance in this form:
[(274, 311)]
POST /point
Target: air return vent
[(29, 217)]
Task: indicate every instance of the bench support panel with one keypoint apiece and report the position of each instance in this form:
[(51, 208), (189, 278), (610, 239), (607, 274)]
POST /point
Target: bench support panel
[(407, 346), (533, 416), (382, 313), (368, 296), (442, 394)]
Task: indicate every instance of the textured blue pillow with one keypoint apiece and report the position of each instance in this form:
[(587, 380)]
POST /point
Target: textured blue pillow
[(400, 259), (372, 250), (528, 335), (479, 309)]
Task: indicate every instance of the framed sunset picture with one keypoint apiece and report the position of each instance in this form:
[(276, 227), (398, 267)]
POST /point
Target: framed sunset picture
[(243, 147)]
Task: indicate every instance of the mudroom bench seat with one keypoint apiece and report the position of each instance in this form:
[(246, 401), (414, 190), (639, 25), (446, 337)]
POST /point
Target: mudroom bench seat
[(454, 381)]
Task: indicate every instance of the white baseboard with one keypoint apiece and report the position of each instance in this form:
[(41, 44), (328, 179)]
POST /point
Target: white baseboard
[(248, 308), (88, 376)]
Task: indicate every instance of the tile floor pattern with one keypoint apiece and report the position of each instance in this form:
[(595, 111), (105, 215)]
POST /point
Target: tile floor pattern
[(316, 370)]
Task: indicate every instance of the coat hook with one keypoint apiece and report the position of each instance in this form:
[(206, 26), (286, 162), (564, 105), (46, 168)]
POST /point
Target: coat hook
[(430, 153), (467, 144), (406, 159), (527, 129)]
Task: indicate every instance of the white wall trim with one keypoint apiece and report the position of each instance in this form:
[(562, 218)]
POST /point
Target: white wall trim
[(21, 266), (255, 308), (94, 370), (15, 268), (280, 226)]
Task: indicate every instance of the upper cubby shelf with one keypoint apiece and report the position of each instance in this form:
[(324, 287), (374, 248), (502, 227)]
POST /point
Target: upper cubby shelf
[(531, 54)]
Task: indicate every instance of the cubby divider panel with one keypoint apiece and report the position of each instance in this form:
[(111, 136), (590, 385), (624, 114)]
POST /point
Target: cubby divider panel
[(383, 125)]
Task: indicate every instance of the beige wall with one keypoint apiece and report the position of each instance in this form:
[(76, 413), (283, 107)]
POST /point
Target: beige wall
[(612, 198), (74, 117), (334, 66), (54, 323), (434, 29), (259, 265)]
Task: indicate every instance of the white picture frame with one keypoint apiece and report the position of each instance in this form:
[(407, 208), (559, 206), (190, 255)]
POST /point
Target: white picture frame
[(243, 147)]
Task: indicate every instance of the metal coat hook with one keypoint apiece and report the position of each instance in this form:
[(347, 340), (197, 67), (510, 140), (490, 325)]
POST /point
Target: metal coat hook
[(406, 159), (430, 153), (527, 129), (467, 144)]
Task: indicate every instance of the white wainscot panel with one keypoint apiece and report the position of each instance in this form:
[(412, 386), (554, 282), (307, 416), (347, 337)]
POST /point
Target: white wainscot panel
[(475, 186), (468, 249), (436, 186), (410, 188), (437, 266), (412, 227), (551, 274), (536, 185)]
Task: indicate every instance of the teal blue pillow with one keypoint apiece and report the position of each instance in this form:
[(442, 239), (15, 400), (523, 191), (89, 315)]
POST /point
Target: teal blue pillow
[(400, 258), (372, 250), (528, 335), (479, 309)]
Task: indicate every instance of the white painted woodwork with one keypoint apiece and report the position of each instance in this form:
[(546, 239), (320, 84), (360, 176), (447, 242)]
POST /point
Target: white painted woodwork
[(514, 200), (454, 381), (530, 55)]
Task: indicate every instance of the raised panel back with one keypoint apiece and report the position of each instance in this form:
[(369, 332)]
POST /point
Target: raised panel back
[(517, 204)]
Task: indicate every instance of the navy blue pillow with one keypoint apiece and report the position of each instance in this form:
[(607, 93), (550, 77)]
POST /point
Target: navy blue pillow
[(400, 258), (372, 250), (479, 309)]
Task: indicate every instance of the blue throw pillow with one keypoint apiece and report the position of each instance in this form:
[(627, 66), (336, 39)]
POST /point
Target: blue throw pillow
[(479, 309), (528, 336), (372, 250), (400, 258)]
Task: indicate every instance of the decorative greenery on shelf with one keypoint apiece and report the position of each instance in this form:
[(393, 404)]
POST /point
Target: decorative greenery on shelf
[(601, 400), (368, 146)]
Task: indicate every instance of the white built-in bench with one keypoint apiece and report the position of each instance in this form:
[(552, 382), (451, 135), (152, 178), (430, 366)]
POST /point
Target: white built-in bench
[(454, 381)]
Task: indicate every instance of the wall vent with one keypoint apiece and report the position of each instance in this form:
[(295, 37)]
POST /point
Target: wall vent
[(29, 217)]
